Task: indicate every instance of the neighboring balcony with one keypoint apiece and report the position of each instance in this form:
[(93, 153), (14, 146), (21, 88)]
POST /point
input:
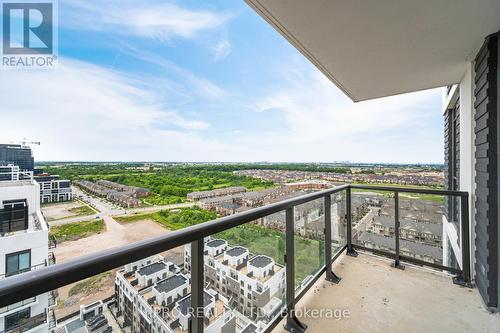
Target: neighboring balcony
[(27, 324), (384, 254)]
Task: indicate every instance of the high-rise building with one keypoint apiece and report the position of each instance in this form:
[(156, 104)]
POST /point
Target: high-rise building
[(24, 246), (18, 155)]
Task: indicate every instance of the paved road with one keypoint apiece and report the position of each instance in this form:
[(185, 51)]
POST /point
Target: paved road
[(364, 224), (108, 210)]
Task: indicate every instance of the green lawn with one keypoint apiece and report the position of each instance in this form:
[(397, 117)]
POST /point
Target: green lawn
[(77, 230), (172, 219), (424, 197), (91, 285), (82, 211)]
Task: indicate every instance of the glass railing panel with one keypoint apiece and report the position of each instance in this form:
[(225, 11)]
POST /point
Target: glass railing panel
[(338, 218), (373, 219), (309, 240), (425, 232), (246, 266)]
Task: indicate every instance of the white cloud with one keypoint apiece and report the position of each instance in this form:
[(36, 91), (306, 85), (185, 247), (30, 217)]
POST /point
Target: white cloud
[(84, 112), (199, 85), (152, 19), (321, 124), (222, 50)]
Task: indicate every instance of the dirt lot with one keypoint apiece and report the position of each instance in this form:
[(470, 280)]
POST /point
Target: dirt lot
[(60, 210), (116, 234)]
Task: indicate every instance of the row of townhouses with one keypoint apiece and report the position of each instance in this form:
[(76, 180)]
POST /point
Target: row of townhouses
[(123, 195), (195, 196)]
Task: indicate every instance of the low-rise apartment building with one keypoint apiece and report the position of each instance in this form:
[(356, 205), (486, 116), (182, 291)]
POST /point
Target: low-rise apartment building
[(152, 295), (253, 284), (53, 189)]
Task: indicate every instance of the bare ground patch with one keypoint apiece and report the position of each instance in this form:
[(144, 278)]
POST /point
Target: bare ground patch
[(115, 235)]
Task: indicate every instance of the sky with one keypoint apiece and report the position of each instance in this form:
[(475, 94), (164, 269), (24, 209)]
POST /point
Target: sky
[(200, 81)]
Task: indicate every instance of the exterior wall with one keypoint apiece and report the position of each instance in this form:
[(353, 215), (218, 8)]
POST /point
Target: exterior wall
[(487, 172), (35, 239), (55, 191), (18, 155)]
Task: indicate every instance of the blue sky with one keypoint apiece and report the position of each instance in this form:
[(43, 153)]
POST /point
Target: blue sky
[(200, 81)]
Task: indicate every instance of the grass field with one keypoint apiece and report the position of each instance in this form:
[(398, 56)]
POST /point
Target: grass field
[(172, 219), (424, 197), (90, 286), (77, 230), (82, 211)]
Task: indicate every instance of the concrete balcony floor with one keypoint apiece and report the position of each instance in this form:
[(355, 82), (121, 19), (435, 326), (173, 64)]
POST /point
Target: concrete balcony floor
[(385, 299)]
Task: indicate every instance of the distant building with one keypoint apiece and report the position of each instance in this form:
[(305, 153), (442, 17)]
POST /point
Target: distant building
[(308, 185), (123, 195), (420, 251), (424, 232), (18, 155), (53, 189), (195, 196)]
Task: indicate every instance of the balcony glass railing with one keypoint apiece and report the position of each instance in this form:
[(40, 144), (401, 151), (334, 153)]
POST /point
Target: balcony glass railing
[(27, 324), (21, 271), (17, 305), (274, 254)]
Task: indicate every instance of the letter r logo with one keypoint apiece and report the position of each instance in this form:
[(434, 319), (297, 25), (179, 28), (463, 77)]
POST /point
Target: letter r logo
[(27, 27)]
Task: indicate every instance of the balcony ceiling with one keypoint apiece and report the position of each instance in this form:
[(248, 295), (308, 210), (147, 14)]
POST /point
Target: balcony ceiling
[(372, 49)]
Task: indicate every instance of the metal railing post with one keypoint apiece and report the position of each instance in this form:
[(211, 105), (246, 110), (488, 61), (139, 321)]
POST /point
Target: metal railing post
[(292, 323), (330, 275), (197, 282), (350, 250), (397, 262), (465, 278)]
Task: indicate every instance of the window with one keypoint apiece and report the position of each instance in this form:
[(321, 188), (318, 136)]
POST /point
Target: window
[(17, 262), (17, 318)]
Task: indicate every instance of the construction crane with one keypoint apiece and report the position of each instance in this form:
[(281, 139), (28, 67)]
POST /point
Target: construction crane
[(25, 143)]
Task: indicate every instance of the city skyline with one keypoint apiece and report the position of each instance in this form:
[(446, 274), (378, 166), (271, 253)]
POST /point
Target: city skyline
[(201, 87)]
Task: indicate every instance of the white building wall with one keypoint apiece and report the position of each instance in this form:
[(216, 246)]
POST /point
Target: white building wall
[(464, 91), (467, 162), (34, 239)]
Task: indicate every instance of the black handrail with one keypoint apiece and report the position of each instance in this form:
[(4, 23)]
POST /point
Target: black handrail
[(27, 285)]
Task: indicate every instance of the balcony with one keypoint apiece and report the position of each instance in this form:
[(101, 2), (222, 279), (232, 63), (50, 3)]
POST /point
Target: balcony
[(22, 271), (53, 294), (27, 324), (378, 270), (373, 294)]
